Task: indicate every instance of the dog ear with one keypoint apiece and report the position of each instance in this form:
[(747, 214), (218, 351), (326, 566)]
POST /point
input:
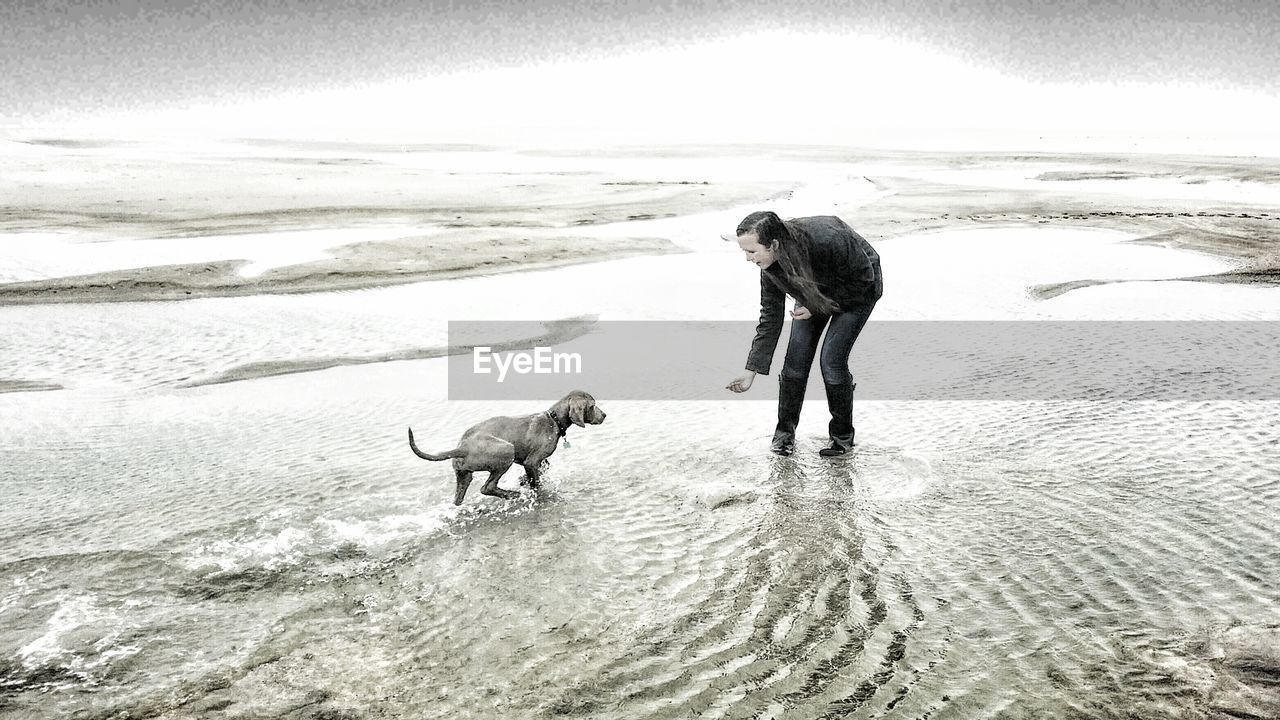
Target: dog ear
[(577, 408)]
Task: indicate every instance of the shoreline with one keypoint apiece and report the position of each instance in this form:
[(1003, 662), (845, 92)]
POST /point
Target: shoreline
[(220, 279), (18, 386), (557, 332), (1246, 234), (524, 218), (1231, 238)]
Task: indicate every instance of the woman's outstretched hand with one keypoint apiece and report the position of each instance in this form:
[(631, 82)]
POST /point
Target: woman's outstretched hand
[(801, 313), (742, 384)]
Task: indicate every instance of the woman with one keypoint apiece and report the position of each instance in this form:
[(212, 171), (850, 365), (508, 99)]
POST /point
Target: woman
[(834, 275)]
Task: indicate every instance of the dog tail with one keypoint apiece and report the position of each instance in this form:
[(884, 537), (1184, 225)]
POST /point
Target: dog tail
[(456, 452)]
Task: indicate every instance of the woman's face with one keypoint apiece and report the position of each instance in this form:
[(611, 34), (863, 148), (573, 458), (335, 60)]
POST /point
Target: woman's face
[(756, 253)]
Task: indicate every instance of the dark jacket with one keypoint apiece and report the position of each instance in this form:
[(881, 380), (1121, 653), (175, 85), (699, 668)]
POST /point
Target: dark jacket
[(845, 266)]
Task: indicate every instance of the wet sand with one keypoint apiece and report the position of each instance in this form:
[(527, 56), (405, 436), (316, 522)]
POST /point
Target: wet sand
[(1245, 231), (7, 386), (518, 210), (353, 267), (271, 548)]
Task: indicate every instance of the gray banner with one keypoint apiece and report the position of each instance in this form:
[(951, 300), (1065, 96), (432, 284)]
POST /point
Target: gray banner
[(892, 360)]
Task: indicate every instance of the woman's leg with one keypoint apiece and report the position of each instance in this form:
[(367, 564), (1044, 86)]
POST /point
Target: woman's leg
[(834, 364), (801, 349)]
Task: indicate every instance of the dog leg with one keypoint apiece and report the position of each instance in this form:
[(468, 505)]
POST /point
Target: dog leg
[(534, 466), (532, 474), (491, 485), (464, 482)]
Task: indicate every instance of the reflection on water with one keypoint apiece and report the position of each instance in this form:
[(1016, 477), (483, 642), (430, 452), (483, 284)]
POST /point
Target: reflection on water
[(272, 549)]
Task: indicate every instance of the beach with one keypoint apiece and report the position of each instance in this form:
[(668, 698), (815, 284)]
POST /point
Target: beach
[(167, 221), (212, 351)]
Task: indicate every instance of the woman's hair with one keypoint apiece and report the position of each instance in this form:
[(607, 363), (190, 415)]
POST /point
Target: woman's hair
[(790, 245)]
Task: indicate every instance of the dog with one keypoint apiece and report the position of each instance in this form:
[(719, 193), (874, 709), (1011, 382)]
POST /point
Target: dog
[(496, 444)]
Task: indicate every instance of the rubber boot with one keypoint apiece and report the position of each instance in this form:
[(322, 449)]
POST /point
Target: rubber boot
[(790, 398), (840, 403)]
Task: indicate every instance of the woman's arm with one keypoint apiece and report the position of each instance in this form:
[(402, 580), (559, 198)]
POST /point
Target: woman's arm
[(769, 329)]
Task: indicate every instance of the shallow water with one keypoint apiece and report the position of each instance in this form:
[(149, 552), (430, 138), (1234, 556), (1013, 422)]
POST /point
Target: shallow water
[(271, 548)]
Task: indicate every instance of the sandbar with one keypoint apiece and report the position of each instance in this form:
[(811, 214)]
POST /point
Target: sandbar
[(502, 210)]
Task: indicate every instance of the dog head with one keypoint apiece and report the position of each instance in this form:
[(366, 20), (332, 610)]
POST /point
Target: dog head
[(578, 408)]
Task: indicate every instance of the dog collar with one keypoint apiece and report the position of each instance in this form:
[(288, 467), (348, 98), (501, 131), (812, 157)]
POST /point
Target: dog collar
[(562, 430)]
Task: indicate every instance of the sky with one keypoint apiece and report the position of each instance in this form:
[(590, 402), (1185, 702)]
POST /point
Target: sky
[(798, 71)]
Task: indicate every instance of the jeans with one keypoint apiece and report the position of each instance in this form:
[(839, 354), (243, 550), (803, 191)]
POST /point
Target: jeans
[(844, 328)]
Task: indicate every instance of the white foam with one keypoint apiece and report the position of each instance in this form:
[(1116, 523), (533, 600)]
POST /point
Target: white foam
[(271, 551), (714, 495), (72, 612), (390, 529), (77, 618), (900, 476), (21, 590)]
